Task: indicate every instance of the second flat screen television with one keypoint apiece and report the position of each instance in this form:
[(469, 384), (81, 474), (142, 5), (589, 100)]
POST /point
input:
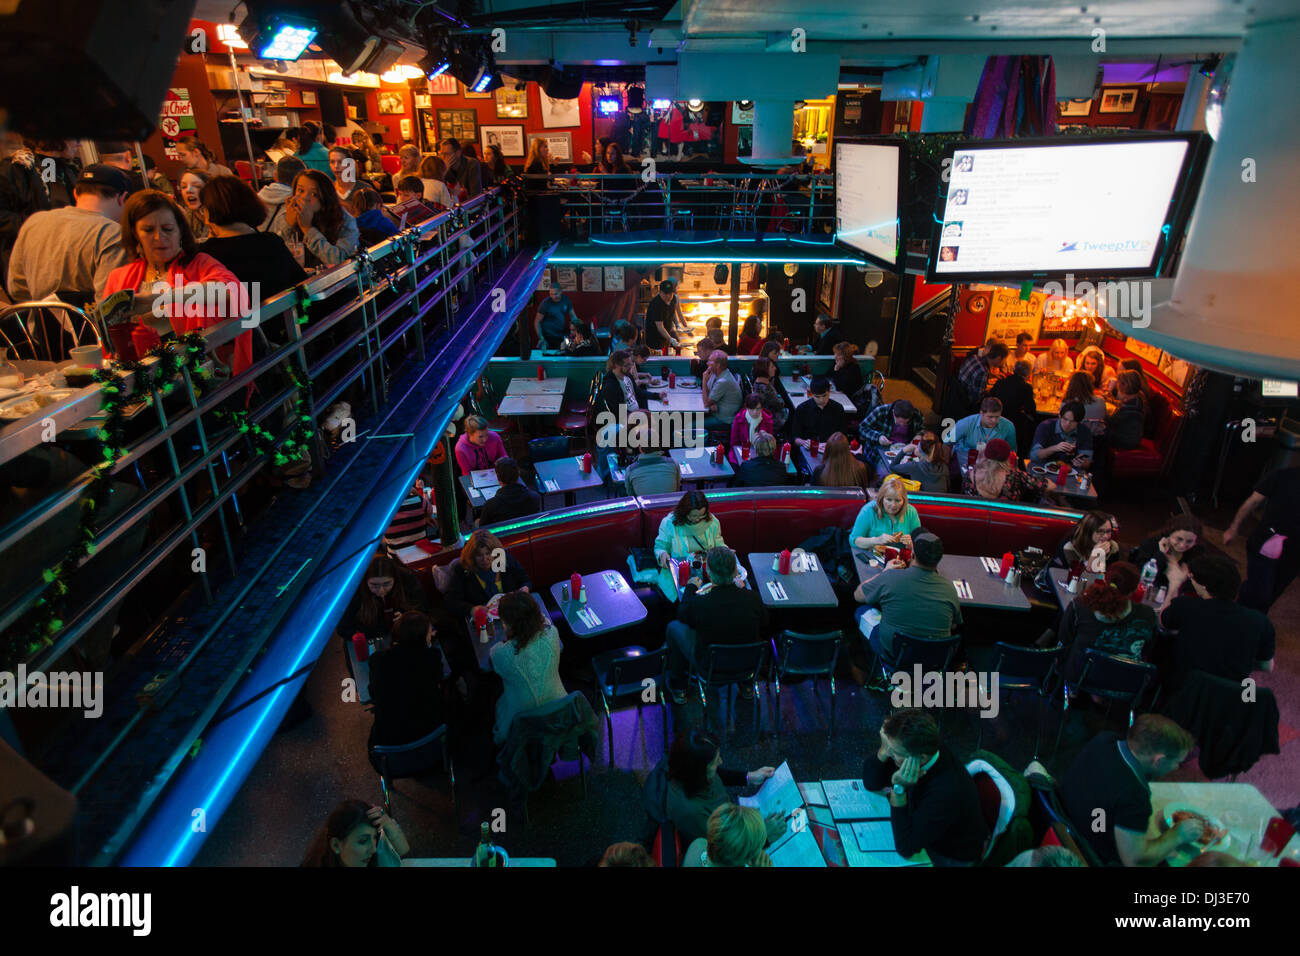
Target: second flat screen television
[(866, 200)]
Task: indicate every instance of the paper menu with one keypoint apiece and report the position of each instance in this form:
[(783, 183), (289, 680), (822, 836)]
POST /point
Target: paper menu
[(874, 836), (851, 800), (813, 794), (779, 794), (796, 848)]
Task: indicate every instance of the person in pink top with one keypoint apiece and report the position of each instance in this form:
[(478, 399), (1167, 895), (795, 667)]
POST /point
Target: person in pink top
[(480, 447), (750, 420), (164, 268)]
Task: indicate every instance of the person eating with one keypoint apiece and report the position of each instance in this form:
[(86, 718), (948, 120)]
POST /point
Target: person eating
[(897, 423), (688, 530), (888, 519), (926, 459), (1062, 440)]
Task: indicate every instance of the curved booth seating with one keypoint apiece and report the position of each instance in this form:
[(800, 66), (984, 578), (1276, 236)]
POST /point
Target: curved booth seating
[(600, 535)]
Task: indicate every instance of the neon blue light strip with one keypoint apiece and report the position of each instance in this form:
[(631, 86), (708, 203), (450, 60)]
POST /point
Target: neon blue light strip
[(731, 257)]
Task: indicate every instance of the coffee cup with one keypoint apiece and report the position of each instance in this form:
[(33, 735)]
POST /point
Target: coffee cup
[(87, 356)]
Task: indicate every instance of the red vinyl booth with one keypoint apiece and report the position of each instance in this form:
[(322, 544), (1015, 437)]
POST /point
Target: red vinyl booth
[(1155, 455), (391, 164)]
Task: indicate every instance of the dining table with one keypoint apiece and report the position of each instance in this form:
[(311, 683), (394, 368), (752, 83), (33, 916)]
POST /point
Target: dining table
[(804, 589), (1239, 807), (611, 604), (974, 577)]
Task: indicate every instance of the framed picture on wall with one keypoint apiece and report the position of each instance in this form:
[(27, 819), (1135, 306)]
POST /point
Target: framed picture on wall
[(509, 138), (308, 97), (512, 103), (458, 124), (1144, 351), (443, 85), (1118, 100), (828, 293), (423, 101), (591, 279), (1073, 107), (391, 101), (560, 144), (558, 113), (468, 94), (613, 278)]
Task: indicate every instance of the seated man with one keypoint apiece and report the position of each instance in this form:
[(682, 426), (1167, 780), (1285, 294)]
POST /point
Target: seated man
[(820, 417), (1062, 440), (720, 612), (977, 430), (1107, 794), (916, 601), (828, 336), (513, 499), (764, 467), (653, 473), (1215, 633), (896, 423), (973, 376), (933, 803), (721, 392)]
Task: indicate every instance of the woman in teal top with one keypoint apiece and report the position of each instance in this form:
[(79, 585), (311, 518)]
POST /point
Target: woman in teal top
[(887, 520)]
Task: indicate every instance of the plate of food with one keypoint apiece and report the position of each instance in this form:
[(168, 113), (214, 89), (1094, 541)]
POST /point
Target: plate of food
[(1214, 835), (29, 403)]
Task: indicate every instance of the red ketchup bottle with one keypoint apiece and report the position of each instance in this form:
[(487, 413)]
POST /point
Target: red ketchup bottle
[(575, 584), (360, 646), (586, 463), (783, 563), (785, 345), (672, 379), (854, 446), (785, 453), (1140, 593), (815, 447), (970, 458), (717, 455), (480, 622), (1062, 473), (541, 372), (683, 573), (1008, 559), (744, 453)]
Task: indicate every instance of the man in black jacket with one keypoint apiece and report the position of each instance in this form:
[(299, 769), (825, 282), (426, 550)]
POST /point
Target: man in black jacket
[(462, 171), (764, 468), (512, 500), (933, 803), (828, 335), (1018, 405), (820, 416), (720, 612)]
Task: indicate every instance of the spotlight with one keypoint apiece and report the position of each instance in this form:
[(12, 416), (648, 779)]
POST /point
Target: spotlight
[(695, 105), (745, 105), (275, 37), (438, 60), (720, 273)]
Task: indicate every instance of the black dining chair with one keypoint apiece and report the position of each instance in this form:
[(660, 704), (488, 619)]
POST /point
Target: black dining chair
[(1027, 670), (934, 654), (1110, 678), (622, 674), (806, 655), (411, 760), (726, 666)]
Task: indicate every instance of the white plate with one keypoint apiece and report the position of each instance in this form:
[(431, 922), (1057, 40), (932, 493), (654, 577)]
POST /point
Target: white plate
[(1219, 844)]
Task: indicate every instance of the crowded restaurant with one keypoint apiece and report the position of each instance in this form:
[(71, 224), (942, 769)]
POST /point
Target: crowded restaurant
[(439, 435)]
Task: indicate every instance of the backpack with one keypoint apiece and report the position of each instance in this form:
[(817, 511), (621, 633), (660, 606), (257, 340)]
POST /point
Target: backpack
[(831, 545), (869, 395)]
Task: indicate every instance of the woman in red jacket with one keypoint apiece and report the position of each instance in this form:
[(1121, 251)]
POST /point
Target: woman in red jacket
[(165, 268), (750, 420)]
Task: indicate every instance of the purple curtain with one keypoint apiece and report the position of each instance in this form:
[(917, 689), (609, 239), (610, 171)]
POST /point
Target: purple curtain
[(1016, 97)]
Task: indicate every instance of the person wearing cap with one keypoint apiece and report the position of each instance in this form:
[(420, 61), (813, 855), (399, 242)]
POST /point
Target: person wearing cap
[(820, 417), (915, 600), (994, 477), (71, 251), (897, 423), (974, 431), (118, 155)]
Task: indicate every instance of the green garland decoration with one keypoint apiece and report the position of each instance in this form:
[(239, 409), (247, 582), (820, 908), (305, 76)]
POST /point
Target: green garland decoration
[(39, 625), (263, 442)]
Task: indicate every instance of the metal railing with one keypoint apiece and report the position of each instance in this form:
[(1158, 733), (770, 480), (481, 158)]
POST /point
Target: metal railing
[(592, 204), (187, 457)]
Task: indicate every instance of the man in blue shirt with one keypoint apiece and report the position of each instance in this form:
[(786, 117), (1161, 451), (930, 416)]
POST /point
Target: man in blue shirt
[(553, 315), (975, 430), (1062, 439)]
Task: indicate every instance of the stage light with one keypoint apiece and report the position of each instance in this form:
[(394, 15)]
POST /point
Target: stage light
[(275, 37)]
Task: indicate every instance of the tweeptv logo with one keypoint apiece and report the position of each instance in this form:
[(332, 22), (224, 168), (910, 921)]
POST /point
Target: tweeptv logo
[(75, 909)]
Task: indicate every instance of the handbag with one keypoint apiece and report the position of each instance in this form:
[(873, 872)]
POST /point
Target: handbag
[(642, 565), (1272, 548)]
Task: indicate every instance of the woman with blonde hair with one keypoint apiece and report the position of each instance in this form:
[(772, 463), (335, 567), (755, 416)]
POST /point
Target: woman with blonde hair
[(538, 160), (889, 519), (736, 837), (839, 469)]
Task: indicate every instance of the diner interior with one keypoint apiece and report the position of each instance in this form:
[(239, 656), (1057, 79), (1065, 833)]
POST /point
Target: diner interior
[(571, 446)]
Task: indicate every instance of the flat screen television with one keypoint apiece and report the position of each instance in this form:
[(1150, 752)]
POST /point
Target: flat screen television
[(866, 200), (1044, 209)]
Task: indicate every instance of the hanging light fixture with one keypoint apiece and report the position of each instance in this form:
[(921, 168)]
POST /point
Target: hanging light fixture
[(695, 105), (873, 278), (791, 269)]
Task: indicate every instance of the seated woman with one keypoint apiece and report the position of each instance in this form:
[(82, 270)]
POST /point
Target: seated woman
[(749, 421), (191, 186), (315, 219), (1106, 618), (235, 216), (736, 837), (1080, 389), (750, 335), (406, 685), (889, 519), (689, 529), (697, 784), (1056, 360), (484, 572), (927, 459), (357, 834), (847, 374), (1093, 534), (839, 469), (996, 479), (763, 374), (386, 592), (581, 340), (1126, 425), (527, 661), (1176, 544), (1093, 361), (435, 192), (479, 448)]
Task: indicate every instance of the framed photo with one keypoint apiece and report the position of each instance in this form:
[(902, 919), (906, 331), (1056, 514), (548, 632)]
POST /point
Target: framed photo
[(1073, 107), (1144, 351), (457, 124), (391, 101), (591, 279), (561, 145), (443, 85), (509, 138), (566, 277), (828, 294), (613, 278), (512, 103), (545, 284), (423, 101), (558, 113), (308, 97), (470, 95), (1118, 100)]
